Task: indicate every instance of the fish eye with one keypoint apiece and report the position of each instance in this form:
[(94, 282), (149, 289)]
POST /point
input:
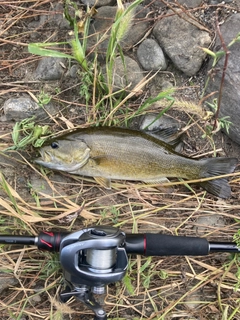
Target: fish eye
[(54, 145)]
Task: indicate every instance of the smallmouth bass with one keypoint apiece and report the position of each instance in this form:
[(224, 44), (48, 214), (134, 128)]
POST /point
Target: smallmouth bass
[(107, 153)]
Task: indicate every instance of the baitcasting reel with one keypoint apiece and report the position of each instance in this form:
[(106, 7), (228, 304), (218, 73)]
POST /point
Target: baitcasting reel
[(91, 259)]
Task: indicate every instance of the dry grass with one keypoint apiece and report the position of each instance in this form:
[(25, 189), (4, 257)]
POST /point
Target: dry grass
[(155, 288)]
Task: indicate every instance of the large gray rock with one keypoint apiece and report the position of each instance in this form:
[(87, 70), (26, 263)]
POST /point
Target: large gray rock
[(138, 28), (100, 29), (151, 56), (182, 39), (230, 104)]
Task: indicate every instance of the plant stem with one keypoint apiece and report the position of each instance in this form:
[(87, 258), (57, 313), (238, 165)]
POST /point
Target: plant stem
[(223, 76)]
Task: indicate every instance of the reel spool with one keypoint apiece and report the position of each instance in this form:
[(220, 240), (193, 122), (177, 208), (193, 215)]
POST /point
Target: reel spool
[(94, 257)]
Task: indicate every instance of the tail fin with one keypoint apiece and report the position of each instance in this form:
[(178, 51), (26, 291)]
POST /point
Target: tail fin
[(216, 167)]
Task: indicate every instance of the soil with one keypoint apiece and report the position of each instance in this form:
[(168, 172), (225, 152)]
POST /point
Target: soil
[(32, 200)]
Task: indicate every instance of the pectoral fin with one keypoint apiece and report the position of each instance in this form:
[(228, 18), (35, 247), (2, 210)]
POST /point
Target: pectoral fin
[(104, 182)]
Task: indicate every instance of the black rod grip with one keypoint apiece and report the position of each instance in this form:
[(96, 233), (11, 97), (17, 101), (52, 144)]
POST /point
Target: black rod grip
[(151, 244), (167, 245)]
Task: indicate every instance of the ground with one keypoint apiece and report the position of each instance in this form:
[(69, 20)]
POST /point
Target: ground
[(32, 200)]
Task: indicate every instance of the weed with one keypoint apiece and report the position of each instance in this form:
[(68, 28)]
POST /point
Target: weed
[(104, 100), (27, 132), (222, 123), (43, 98)]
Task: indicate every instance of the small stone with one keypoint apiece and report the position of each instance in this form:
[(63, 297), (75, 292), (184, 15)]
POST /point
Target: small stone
[(190, 3), (151, 56), (193, 300), (204, 222), (50, 68), (40, 186), (18, 109), (73, 71), (126, 75), (6, 281), (212, 2), (99, 3)]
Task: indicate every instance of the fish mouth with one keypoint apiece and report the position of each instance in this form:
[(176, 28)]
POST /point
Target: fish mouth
[(49, 161), (45, 158)]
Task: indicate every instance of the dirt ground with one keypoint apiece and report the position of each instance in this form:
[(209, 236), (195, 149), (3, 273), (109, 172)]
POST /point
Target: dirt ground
[(155, 288)]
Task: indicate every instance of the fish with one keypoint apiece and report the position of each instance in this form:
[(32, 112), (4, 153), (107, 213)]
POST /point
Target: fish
[(115, 153)]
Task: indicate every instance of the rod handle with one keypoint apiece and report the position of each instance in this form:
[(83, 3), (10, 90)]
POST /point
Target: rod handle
[(151, 244)]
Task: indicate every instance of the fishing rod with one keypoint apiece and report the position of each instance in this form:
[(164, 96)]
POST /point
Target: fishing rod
[(96, 256)]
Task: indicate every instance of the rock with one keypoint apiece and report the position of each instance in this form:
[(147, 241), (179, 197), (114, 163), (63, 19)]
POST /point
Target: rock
[(161, 82), (230, 104), (184, 46), (100, 29), (219, 1), (50, 68), (203, 223), (151, 56), (190, 3), (99, 3), (73, 71), (18, 109), (6, 281), (187, 3), (125, 75), (40, 186), (55, 18), (138, 28), (194, 300)]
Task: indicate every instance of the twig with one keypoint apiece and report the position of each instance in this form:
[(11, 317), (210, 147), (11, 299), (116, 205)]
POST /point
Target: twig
[(223, 74)]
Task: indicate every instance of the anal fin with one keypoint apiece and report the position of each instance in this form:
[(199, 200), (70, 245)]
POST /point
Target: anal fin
[(159, 181), (104, 182)]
